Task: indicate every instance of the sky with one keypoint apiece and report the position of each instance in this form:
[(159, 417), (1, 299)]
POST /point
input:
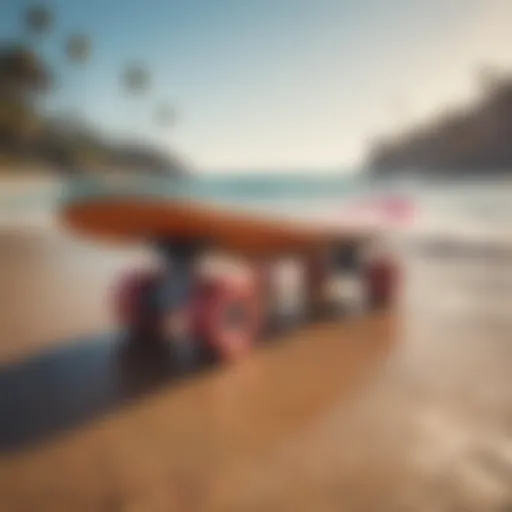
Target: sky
[(272, 84)]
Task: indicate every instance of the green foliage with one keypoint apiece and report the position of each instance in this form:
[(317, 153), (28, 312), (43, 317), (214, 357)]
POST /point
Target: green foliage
[(38, 19), (136, 79), (23, 76), (67, 143), (78, 48), (22, 70)]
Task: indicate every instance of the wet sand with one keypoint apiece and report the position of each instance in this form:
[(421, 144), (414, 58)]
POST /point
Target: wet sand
[(404, 411)]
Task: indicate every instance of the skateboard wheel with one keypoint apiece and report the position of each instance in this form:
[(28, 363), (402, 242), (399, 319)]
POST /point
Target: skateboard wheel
[(228, 317), (317, 275), (381, 282), (130, 300)]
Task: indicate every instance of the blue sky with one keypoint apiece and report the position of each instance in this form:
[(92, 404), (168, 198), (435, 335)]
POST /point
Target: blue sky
[(265, 84)]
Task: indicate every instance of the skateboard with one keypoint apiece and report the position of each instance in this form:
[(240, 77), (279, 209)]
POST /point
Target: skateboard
[(230, 311)]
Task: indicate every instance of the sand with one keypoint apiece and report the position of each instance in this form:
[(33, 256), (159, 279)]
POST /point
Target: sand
[(407, 410)]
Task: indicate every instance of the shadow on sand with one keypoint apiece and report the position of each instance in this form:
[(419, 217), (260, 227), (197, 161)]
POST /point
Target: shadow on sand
[(75, 383)]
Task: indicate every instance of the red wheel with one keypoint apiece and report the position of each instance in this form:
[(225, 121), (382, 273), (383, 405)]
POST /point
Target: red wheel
[(130, 297), (229, 316), (382, 281), (317, 274)]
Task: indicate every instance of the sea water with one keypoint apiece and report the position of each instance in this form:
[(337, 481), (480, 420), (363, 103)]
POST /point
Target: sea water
[(471, 204)]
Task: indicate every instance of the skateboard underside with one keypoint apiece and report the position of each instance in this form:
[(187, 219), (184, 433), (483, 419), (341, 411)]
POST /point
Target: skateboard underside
[(142, 220), (227, 314)]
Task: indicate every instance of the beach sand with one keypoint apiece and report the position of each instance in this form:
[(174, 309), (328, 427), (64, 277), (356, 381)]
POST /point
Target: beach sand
[(408, 410)]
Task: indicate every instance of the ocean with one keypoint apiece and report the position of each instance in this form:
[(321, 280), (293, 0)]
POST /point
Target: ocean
[(471, 205)]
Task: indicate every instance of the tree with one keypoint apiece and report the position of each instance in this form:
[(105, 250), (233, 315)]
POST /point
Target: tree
[(78, 48), (23, 75), (38, 19), (21, 70), (136, 79)]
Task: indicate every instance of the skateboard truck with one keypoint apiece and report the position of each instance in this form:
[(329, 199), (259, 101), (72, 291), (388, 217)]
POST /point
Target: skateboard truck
[(171, 300), (177, 300), (226, 314), (181, 252)]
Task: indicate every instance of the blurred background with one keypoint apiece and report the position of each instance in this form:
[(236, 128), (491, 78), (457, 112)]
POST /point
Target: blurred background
[(394, 96), (392, 86)]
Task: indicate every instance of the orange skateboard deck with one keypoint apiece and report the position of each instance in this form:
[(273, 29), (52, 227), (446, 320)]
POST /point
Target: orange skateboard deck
[(139, 218)]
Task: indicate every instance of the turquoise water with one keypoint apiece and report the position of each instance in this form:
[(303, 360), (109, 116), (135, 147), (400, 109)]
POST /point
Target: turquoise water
[(224, 189), (250, 189)]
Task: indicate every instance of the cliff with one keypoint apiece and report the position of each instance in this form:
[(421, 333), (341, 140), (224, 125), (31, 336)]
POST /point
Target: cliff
[(475, 140)]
